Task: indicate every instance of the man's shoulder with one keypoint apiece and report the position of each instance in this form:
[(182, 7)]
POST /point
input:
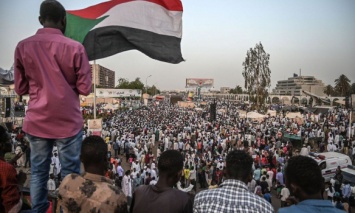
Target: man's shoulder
[(59, 38), (153, 189), (71, 180), (309, 208), (223, 195), (7, 168), (103, 195), (208, 192), (5, 164)]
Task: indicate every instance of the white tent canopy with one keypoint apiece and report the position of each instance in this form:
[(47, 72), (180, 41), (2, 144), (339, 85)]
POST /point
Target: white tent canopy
[(255, 115), (110, 106), (242, 114), (272, 113), (294, 115)]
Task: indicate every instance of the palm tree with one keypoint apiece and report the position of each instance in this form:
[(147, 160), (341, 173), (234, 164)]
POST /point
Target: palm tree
[(329, 90), (239, 89), (342, 85)]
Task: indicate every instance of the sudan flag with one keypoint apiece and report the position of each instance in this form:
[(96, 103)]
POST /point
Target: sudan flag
[(153, 27)]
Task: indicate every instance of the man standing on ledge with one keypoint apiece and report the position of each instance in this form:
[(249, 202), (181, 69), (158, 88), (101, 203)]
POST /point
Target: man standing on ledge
[(53, 70), (233, 194)]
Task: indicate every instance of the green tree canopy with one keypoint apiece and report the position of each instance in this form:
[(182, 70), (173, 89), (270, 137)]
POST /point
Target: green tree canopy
[(256, 72), (153, 90), (329, 90), (125, 84), (237, 90)]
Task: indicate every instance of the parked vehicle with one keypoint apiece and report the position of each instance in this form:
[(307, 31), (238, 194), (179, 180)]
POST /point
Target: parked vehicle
[(329, 162)]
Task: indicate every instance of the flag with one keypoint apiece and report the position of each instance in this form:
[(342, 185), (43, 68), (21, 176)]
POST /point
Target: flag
[(153, 27)]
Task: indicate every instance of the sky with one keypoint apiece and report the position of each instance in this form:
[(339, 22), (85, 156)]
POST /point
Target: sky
[(314, 36)]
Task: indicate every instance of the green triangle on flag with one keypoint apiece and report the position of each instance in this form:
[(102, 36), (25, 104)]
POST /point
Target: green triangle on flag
[(77, 27)]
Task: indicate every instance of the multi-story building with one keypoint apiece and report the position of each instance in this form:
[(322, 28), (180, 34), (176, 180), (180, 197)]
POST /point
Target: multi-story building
[(225, 90), (295, 85), (104, 77)]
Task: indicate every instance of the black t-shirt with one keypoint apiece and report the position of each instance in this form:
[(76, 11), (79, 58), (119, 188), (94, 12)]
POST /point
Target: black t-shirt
[(264, 186), (153, 199)]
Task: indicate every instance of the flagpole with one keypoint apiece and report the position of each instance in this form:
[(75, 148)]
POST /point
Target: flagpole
[(94, 89)]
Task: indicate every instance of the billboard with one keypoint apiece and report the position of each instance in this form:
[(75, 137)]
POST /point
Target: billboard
[(118, 93), (199, 82)]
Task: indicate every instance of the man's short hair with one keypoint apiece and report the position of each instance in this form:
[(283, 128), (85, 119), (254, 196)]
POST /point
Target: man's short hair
[(93, 150), (304, 172), (52, 10), (239, 164), (170, 162)]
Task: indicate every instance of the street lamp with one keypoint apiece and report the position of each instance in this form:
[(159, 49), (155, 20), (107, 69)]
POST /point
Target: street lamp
[(146, 84)]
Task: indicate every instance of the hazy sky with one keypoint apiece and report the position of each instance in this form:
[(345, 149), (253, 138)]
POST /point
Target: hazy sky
[(317, 36)]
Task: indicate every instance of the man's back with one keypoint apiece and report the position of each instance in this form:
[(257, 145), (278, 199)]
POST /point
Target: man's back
[(231, 196), (53, 70), (310, 206), (153, 199), (84, 194)]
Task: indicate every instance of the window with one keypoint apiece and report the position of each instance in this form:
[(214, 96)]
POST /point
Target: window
[(322, 166)]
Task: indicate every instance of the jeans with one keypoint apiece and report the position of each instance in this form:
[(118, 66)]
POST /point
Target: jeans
[(41, 153)]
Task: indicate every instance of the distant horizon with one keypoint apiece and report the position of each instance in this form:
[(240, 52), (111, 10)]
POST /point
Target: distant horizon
[(185, 88)]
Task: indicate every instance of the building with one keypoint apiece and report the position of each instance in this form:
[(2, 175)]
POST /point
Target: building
[(225, 90), (294, 86), (104, 77)]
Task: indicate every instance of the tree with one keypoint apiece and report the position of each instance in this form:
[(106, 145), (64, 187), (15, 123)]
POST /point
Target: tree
[(136, 84), (237, 90), (153, 90), (329, 90), (352, 88), (122, 83), (342, 85), (125, 84), (256, 72)]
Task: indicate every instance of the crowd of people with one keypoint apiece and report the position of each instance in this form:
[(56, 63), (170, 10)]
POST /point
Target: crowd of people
[(205, 145), (135, 141), (161, 157)]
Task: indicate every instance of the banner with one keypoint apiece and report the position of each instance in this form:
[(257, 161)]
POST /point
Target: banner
[(95, 126), (118, 93), (199, 82)]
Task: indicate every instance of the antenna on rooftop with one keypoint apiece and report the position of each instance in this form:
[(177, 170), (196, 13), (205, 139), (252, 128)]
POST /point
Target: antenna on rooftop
[(300, 73)]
